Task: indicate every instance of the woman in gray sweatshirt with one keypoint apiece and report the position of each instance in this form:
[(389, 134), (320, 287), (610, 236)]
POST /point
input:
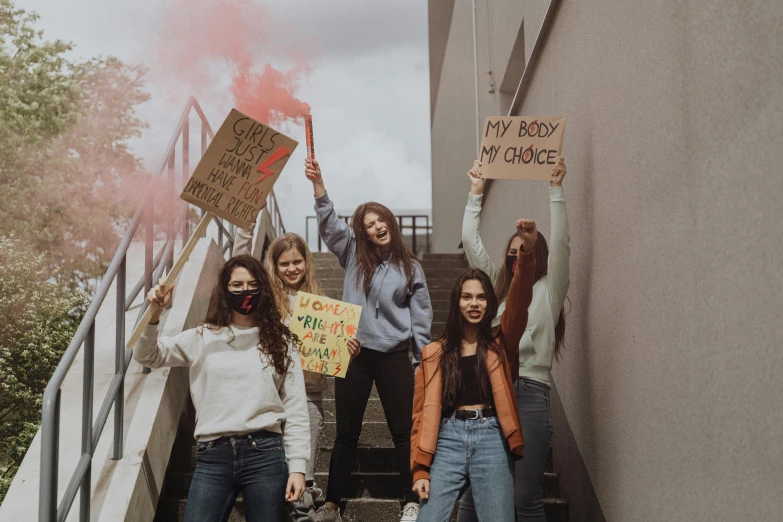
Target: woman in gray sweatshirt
[(383, 277), (246, 384)]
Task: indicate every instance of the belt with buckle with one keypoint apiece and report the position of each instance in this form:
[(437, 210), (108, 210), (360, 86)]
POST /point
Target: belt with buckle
[(475, 414)]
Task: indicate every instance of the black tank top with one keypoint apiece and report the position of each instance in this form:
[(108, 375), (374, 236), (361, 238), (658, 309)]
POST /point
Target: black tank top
[(470, 390)]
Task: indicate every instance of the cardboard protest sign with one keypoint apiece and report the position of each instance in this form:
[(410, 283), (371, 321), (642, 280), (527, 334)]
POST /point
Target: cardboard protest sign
[(238, 170), (324, 326), (521, 147)]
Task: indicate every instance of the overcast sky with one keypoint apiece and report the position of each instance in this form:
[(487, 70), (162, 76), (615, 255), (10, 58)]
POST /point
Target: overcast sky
[(368, 88)]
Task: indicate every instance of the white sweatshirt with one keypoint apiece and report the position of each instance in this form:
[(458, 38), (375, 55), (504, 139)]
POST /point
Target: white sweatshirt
[(234, 386), (537, 347)]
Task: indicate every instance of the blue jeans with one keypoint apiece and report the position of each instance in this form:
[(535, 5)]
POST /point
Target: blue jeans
[(471, 452), (253, 465), (534, 413)]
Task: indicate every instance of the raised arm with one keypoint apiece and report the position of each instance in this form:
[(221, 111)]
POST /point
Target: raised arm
[(471, 240), (558, 270), (154, 352), (243, 240), (421, 315), (520, 293), (334, 231)]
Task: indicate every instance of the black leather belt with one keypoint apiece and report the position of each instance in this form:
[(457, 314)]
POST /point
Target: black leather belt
[(475, 414), (247, 437)]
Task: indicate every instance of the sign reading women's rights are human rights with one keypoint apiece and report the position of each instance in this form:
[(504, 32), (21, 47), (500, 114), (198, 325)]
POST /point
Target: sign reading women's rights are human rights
[(324, 327), (521, 147)]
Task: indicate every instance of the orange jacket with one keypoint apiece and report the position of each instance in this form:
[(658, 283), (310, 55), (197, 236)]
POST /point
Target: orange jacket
[(427, 406)]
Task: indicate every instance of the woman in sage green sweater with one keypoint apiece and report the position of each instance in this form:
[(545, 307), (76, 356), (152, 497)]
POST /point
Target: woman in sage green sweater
[(541, 341)]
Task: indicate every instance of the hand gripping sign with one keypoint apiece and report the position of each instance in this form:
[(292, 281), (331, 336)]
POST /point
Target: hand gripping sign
[(521, 147), (232, 181), (324, 327), (238, 170)]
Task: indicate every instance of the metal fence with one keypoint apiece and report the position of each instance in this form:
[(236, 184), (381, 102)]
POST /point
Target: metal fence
[(175, 226), (415, 223)]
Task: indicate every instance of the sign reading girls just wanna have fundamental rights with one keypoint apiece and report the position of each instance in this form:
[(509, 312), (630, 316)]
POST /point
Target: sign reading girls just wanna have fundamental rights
[(521, 147), (324, 327), (238, 170)]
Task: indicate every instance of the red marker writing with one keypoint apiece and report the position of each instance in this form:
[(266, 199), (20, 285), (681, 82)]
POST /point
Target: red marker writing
[(276, 156)]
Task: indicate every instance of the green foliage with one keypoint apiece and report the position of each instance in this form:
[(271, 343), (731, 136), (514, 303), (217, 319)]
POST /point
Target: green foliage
[(67, 174), (40, 318), (67, 186)]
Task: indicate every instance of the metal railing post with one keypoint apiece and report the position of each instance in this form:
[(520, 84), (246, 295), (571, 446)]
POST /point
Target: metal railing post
[(119, 360), (185, 177), (50, 453), (88, 380), (169, 207), (149, 238), (414, 234)]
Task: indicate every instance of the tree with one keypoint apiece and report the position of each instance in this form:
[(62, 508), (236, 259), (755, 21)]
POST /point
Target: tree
[(39, 319), (66, 171)]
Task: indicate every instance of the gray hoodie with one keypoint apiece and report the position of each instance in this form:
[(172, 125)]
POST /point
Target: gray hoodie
[(392, 314)]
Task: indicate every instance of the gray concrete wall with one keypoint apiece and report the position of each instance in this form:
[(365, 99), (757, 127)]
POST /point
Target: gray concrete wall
[(670, 382)]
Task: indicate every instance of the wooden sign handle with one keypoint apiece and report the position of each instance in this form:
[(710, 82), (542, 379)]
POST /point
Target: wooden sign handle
[(171, 276)]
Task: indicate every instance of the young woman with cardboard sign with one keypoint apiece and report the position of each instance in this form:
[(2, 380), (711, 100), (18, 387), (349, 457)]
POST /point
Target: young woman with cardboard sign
[(466, 427), (246, 383), (383, 276), (290, 266), (542, 339)]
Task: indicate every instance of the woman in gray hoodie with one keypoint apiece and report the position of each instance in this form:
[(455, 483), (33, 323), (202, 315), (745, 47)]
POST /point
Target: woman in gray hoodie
[(383, 277)]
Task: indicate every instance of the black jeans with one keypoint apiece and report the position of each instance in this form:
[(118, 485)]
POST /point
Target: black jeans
[(393, 377)]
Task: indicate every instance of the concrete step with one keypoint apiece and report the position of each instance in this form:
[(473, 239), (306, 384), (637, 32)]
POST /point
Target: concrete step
[(452, 273), (374, 435), (437, 329), (329, 272), (440, 294), (367, 485), (373, 412), (368, 460), (354, 510)]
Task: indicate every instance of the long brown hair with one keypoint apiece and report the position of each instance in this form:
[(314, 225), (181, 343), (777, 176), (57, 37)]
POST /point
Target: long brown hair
[(280, 288), (542, 260), (453, 335), (368, 256), (274, 338)]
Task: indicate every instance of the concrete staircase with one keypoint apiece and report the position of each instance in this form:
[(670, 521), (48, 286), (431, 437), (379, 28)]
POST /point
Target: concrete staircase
[(373, 494)]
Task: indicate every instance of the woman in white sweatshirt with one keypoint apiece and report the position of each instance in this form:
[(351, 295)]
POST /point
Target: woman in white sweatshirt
[(246, 383), (542, 339)]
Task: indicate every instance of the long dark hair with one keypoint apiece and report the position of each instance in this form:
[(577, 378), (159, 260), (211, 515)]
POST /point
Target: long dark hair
[(452, 338), (368, 256), (542, 260), (274, 338)]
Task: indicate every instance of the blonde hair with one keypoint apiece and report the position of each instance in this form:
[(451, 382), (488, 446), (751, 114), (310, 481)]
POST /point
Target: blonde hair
[(280, 288)]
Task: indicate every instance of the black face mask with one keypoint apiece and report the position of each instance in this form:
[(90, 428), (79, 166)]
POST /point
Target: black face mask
[(510, 260), (244, 303)]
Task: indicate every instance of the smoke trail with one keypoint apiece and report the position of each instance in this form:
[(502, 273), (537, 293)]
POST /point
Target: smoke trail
[(203, 41)]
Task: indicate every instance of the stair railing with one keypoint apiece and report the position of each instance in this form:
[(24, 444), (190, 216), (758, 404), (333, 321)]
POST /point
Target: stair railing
[(407, 222), (175, 226)]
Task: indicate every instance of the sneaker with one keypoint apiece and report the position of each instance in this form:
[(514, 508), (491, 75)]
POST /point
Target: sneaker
[(327, 514), (315, 491), (410, 512)]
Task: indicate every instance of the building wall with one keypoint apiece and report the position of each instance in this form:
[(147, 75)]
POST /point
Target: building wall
[(670, 382)]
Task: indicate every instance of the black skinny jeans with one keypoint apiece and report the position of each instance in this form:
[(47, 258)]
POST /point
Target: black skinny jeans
[(393, 377)]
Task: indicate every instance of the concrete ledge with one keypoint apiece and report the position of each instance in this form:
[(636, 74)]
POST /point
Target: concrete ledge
[(137, 480)]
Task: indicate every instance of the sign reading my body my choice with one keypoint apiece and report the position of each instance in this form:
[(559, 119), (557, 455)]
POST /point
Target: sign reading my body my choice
[(521, 147), (324, 327), (238, 170)]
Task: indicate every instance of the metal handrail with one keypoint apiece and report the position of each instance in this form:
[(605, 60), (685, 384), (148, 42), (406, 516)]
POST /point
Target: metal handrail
[(413, 227), (49, 511)]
